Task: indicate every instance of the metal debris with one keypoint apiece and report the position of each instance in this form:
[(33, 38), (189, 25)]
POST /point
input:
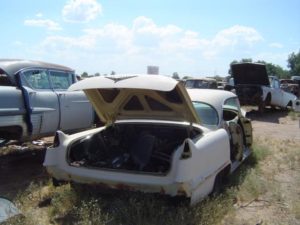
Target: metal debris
[(7, 210)]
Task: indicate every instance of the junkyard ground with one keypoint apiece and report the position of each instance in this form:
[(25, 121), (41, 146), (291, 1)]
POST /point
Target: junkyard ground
[(265, 190)]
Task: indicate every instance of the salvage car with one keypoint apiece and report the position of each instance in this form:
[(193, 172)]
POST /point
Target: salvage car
[(254, 87), (159, 137), (35, 101), (290, 86), (202, 83)]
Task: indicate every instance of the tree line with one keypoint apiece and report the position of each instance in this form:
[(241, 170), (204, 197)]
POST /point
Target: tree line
[(272, 69), (276, 70)]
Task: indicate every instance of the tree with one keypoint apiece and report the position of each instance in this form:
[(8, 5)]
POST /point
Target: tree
[(276, 70), (175, 76), (84, 75), (186, 77), (294, 63), (113, 73), (97, 74), (249, 60)]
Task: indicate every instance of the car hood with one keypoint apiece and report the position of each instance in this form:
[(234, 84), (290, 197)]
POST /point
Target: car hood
[(138, 97), (250, 73)]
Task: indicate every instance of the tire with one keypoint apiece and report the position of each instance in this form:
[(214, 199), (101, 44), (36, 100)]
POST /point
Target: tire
[(261, 107), (237, 143)]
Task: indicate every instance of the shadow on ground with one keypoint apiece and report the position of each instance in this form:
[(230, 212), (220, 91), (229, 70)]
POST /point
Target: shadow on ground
[(269, 115), (19, 169)]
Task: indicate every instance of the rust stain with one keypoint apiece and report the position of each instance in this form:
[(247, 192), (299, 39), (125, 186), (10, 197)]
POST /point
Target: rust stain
[(124, 187), (181, 191), (162, 191)]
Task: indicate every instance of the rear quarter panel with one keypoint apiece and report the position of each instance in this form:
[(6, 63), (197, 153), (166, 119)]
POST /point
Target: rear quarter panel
[(211, 153), (11, 101)]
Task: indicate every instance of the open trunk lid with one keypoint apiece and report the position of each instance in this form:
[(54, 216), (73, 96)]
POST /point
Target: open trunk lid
[(250, 73), (138, 97)]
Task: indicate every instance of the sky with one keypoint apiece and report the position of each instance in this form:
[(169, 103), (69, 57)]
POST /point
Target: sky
[(190, 37)]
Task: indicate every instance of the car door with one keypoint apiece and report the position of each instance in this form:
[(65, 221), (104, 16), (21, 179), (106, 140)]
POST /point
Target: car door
[(277, 93), (76, 112), (42, 103)]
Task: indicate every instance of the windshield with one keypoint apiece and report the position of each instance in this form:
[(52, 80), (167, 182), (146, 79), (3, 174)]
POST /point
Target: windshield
[(208, 115)]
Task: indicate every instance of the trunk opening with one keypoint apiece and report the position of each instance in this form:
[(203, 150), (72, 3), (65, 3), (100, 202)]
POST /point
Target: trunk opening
[(142, 148)]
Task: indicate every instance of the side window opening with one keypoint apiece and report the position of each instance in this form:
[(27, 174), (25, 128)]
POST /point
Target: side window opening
[(60, 80), (232, 102), (208, 115), (37, 79)]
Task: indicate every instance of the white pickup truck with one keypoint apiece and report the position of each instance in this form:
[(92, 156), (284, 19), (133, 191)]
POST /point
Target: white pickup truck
[(254, 87), (34, 100)]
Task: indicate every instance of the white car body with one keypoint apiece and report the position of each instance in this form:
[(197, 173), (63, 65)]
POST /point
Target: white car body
[(189, 168), (279, 97), (254, 87)]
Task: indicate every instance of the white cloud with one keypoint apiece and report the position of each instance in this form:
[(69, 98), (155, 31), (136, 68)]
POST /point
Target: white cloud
[(81, 11), (126, 48), (234, 38), (275, 45), (144, 25), (39, 14), (48, 24)]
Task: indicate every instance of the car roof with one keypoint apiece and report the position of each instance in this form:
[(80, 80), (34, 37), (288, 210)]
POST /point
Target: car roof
[(213, 97), (13, 66)]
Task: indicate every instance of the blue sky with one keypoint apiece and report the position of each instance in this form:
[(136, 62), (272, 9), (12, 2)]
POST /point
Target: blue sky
[(197, 38)]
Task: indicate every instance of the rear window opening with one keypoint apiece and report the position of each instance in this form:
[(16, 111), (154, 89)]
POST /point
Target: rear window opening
[(4, 80)]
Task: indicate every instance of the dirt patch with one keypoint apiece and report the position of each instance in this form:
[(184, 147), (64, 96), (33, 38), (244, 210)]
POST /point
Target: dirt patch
[(274, 124)]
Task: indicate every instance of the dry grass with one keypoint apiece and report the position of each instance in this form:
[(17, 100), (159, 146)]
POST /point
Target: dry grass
[(294, 115)]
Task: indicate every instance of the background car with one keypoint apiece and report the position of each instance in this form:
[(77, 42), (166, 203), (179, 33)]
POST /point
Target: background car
[(202, 83), (158, 138), (290, 86), (253, 86), (35, 101)]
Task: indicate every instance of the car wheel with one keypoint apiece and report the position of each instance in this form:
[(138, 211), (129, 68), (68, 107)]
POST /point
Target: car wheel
[(237, 143), (261, 106)]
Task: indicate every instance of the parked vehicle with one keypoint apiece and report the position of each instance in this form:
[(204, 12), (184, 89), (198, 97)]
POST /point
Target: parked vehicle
[(202, 83), (35, 101), (159, 137), (297, 80), (290, 86), (254, 87), (221, 85)]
